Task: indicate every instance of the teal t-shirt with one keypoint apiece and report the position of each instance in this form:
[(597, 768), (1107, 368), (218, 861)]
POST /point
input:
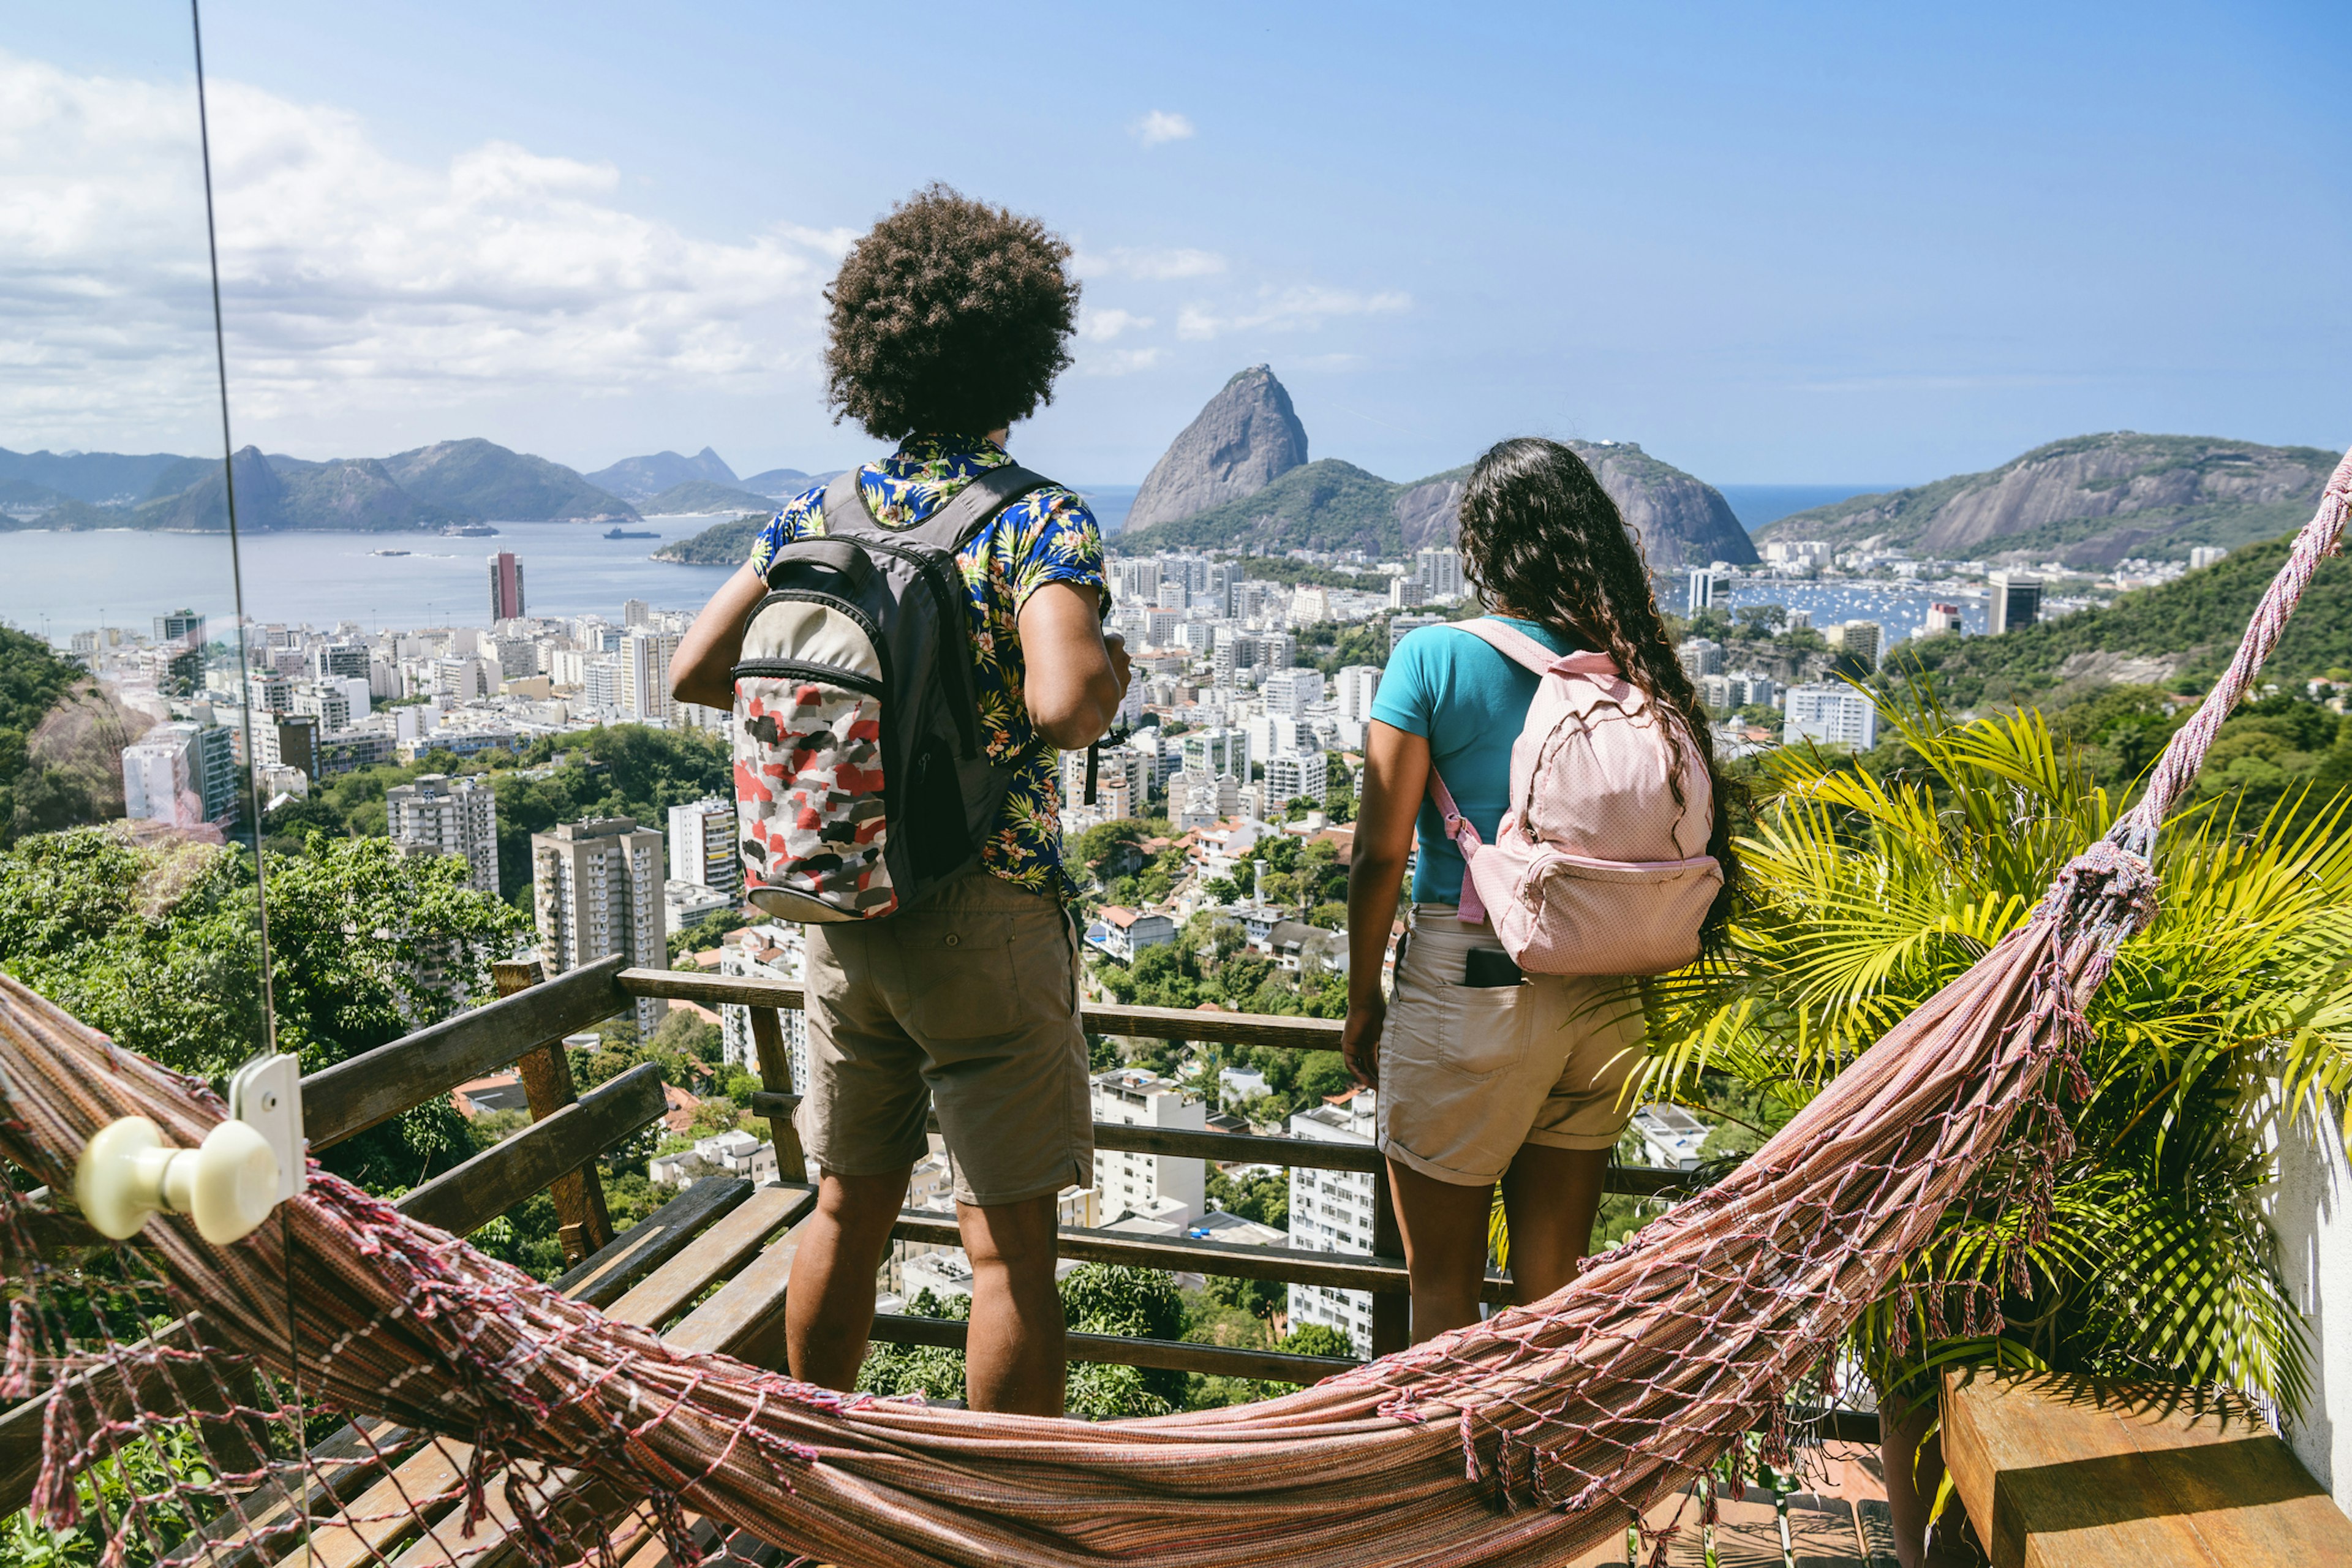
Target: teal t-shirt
[(1468, 701)]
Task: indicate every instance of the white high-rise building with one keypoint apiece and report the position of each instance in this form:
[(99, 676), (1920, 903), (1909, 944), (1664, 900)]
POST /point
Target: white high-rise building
[(2016, 601), (2203, 555), (775, 951), (645, 675), (1700, 656), (635, 613), (1331, 1211), (596, 890), (1832, 715), (1222, 751), (437, 815), (1165, 1188), (1710, 587), (1440, 571), (181, 774), (1290, 692), (702, 848), (1289, 775)]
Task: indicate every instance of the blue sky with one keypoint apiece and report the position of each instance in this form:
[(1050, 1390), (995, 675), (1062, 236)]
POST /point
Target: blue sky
[(1803, 243)]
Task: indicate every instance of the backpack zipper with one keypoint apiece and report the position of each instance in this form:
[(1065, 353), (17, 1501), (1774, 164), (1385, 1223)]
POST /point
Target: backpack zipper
[(831, 674)]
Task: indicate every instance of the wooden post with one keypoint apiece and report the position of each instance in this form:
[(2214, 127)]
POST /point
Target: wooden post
[(776, 1078), (1391, 1311), (581, 1223)]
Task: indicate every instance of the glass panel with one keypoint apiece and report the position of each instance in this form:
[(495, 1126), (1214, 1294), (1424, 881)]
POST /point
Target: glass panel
[(127, 882), (130, 750)]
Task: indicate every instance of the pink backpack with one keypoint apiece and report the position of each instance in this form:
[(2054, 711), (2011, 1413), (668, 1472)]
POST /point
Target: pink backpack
[(1596, 868)]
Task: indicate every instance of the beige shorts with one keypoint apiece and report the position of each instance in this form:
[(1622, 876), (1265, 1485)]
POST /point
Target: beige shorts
[(1470, 1073), (968, 1001)]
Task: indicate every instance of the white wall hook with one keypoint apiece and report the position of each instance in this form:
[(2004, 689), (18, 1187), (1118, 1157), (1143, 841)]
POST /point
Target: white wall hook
[(244, 1167)]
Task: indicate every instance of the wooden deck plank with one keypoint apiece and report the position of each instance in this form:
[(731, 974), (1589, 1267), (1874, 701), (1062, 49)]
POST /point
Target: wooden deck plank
[(601, 1278), (2090, 1474), (722, 1250)]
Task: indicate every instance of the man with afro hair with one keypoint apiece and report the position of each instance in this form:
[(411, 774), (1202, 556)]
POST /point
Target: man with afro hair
[(949, 321)]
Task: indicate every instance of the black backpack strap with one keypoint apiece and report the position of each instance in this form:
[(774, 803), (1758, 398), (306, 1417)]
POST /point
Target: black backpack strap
[(948, 530), (845, 506), (954, 525)]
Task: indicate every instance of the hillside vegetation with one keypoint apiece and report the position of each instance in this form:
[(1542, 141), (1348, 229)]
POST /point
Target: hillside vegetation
[(725, 543), (1324, 505), (2090, 501), (2188, 627)]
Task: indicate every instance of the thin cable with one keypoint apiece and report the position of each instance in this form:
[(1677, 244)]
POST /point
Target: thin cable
[(235, 561), (301, 1488)]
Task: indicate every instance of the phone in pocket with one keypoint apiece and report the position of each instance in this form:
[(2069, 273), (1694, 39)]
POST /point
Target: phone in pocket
[(1488, 967)]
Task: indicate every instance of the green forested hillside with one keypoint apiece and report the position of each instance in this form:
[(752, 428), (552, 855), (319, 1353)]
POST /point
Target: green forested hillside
[(1324, 505), (2193, 623), (721, 544), (2090, 501), (33, 680)]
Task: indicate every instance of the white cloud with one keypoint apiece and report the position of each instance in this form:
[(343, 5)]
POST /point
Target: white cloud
[(1160, 126), (1119, 362), (1147, 266), (1101, 326), (1298, 308), (351, 280)]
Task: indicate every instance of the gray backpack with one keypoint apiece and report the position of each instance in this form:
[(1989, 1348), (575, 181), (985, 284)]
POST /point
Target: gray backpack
[(862, 779)]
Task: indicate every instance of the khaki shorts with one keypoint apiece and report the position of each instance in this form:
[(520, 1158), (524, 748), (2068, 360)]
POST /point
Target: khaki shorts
[(968, 1001), (1469, 1073)]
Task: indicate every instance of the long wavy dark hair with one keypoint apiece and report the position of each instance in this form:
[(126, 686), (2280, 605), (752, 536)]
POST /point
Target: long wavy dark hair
[(1542, 540)]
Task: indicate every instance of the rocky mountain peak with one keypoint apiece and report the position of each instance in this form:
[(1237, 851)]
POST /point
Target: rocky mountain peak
[(1246, 437)]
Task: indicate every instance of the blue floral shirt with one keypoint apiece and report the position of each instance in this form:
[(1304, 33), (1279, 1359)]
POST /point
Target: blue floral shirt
[(1046, 536)]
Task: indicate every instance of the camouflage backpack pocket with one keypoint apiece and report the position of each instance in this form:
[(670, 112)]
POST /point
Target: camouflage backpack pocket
[(811, 791)]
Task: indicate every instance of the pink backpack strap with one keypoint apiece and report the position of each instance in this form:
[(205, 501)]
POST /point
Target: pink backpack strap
[(1524, 650), (1468, 908)]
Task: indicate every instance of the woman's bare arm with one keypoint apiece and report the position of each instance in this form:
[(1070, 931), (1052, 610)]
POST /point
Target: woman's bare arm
[(1396, 772), (703, 668)]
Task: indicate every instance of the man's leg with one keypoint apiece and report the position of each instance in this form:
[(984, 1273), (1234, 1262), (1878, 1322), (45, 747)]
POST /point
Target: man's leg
[(1445, 1228), (829, 1310), (1550, 1197), (1015, 1359)]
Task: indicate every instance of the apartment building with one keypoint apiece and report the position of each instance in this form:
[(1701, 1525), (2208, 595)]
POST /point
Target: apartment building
[(1331, 1211), (1162, 1187), (702, 848), (596, 890), (437, 815)]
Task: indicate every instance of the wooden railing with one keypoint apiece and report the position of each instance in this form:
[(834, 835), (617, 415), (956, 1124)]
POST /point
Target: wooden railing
[(1381, 1271)]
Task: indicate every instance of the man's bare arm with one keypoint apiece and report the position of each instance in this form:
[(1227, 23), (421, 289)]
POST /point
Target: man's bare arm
[(703, 668), (1077, 676)]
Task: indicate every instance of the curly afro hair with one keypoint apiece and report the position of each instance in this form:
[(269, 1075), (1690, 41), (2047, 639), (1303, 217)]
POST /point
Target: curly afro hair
[(950, 317)]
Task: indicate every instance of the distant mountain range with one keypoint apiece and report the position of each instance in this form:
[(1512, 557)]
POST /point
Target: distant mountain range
[(2090, 501), (427, 488), (1239, 474)]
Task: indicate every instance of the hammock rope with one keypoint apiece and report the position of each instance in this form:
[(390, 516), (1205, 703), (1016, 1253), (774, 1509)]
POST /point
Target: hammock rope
[(1516, 1441)]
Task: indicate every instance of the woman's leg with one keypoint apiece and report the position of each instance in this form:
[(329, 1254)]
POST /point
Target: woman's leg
[(1550, 1197), (1445, 1226)]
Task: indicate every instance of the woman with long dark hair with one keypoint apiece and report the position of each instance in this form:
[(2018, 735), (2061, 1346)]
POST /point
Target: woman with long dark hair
[(1485, 1073)]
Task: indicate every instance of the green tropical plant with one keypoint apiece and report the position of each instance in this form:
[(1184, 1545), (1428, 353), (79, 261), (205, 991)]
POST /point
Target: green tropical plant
[(1868, 894)]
